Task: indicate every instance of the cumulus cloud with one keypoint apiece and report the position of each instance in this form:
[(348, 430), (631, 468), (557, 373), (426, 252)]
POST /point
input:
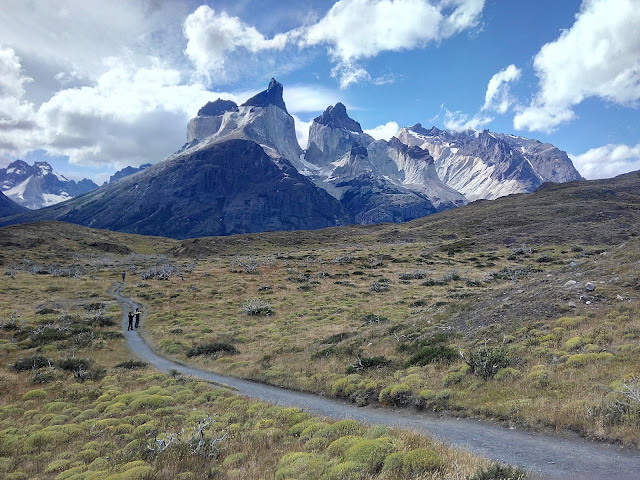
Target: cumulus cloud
[(302, 130), (357, 29), (16, 113), (130, 116), (607, 161), (309, 98), (459, 122), (384, 132), (498, 97), (599, 56), (211, 36)]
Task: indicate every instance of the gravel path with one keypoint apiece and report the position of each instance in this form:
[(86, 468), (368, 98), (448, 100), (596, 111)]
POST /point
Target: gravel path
[(544, 456)]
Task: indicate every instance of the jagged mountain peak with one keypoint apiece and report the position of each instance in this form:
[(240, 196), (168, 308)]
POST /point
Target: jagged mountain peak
[(218, 107), (336, 116), (271, 96)]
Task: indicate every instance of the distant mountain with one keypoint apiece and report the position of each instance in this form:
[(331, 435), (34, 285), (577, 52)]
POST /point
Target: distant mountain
[(242, 170), (38, 185), (224, 181), (486, 165), (377, 181), (126, 171), (9, 207)]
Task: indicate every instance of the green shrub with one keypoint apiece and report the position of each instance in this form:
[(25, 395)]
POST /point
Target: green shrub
[(131, 364), (342, 428), (539, 375), (255, 307), (301, 466), (346, 471), (433, 353), (369, 454), (74, 364), (398, 394), (212, 349), (574, 343), (487, 361), (393, 465), (339, 447), (507, 373), (366, 363), (421, 460), (451, 378), (582, 359), (29, 363), (35, 394), (499, 471), (430, 399)]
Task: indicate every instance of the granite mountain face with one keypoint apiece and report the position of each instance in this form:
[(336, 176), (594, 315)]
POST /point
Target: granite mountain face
[(38, 185), (242, 170), (486, 165)]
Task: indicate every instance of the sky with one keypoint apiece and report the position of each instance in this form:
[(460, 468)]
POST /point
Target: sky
[(92, 86)]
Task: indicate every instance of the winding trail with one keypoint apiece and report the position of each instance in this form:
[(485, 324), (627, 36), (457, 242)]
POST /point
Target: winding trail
[(543, 456)]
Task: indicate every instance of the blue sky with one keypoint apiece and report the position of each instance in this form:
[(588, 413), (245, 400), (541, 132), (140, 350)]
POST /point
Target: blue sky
[(93, 86)]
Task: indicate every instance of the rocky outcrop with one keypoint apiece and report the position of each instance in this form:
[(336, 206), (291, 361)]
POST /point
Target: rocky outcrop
[(271, 96), (38, 185)]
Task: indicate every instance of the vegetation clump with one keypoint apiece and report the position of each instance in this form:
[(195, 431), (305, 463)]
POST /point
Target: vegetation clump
[(212, 349), (487, 361)]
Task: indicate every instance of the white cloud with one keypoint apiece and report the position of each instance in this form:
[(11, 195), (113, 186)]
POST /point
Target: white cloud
[(599, 56), (459, 122), (309, 98), (356, 29), (607, 161), (302, 130), (359, 29), (497, 96), (384, 132), (80, 34), (131, 115), (16, 114), (211, 36)]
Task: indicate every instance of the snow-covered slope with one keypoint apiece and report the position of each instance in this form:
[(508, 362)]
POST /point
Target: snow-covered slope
[(38, 185)]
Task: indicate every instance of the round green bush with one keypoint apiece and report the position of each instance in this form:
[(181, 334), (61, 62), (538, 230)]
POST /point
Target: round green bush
[(394, 395), (421, 460), (35, 394), (370, 454), (346, 471)]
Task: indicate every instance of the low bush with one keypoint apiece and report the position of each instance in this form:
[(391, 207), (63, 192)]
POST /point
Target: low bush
[(499, 471), (487, 361), (421, 460), (369, 454), (74, 364), (367, 363), (255, 307), (212, 349), (582, 359), (395, 395), (131, 364), (29, 363), (433, 353)]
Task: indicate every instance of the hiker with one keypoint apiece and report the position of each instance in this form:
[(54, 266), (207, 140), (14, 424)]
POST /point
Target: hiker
[(138, 312), (130, 321), (123, 274)]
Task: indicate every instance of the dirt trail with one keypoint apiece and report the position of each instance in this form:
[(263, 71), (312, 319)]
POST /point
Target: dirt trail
[(543, 456)]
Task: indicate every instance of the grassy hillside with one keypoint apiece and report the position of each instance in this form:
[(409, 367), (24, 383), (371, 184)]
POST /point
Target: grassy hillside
[(524, 310)]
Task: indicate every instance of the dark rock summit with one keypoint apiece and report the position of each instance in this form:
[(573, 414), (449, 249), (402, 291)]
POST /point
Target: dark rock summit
[(336, 117), (218, 107), (271, 96)]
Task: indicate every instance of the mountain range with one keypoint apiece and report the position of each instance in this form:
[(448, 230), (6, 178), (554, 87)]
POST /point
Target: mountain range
[(38, 185), (242, 170)]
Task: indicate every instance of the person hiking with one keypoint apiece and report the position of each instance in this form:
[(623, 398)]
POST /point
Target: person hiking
[(130, 321), (123, 274), (138, 312)]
